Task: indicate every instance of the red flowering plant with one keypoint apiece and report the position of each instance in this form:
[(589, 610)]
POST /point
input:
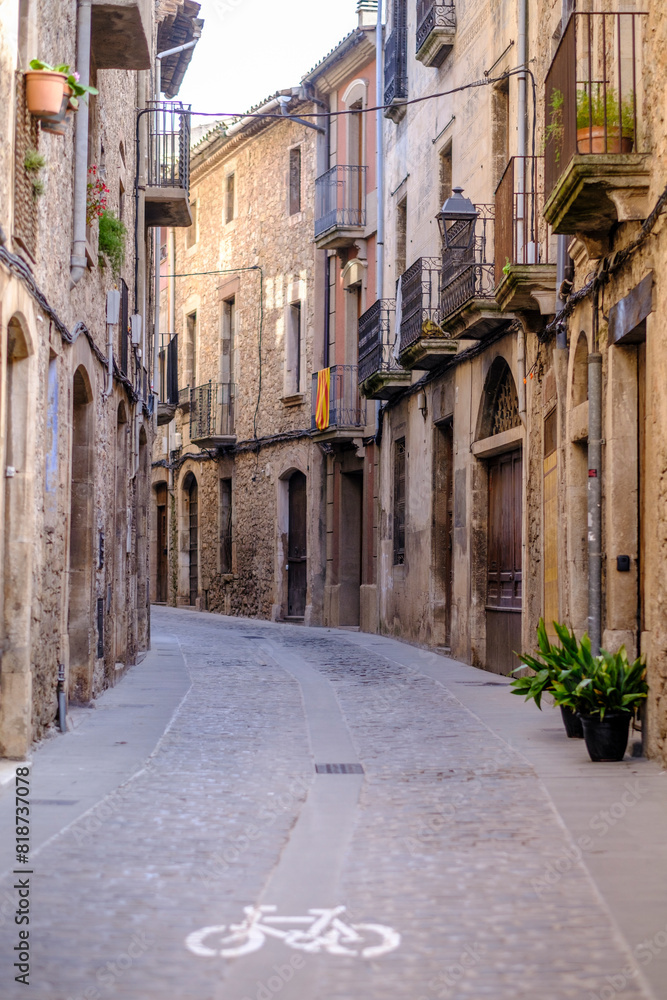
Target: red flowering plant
[(97, 196)]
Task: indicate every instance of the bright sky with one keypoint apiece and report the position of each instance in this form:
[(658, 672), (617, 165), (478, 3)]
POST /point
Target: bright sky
[(252, 48)]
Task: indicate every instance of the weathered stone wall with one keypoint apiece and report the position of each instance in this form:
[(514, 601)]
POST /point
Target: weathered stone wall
[(38, 409), (267, 261)]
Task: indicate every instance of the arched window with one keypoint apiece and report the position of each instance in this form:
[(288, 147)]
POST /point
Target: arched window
[(499, 410)]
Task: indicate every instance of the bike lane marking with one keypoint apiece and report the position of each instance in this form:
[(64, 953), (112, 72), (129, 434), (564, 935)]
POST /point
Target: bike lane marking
[(311, 864)]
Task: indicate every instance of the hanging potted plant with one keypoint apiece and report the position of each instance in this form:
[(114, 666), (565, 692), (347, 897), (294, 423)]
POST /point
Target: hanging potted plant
[(96, 201), (553, 664), (45, 88), (606, 698), (52, 106), (604, 125)]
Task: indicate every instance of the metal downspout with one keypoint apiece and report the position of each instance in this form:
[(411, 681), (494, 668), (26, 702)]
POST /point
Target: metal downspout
[(78, 263), (522, 149), (595, 498), (379, 127)]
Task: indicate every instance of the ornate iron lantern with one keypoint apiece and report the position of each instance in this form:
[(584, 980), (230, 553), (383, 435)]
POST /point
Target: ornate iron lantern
[(456, 220)]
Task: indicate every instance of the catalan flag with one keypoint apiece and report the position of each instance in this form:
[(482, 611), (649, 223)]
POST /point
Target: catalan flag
[(322, 401)]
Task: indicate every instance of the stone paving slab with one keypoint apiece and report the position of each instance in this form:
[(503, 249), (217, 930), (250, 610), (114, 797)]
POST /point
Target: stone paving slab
[(453, 838)]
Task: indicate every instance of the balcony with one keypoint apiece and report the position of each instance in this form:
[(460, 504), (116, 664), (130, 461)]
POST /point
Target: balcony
[(340, 207), (436, 27), (347, 410), (212, 415), (468, 306), (168, 372), (525, 268), (596, 166), (423, 343), (396, 71), (121, 34), (380, 374), (168, 180)]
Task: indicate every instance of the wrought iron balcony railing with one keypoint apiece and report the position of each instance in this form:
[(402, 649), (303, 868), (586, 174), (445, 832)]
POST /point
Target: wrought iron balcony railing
[(474, 282), (347, 410), (593, 90), (340, 199), (431, 17), (212, 411), (470, 274), (521, 232), (377, 340), (396, 65), (420, 294), (169, 145)]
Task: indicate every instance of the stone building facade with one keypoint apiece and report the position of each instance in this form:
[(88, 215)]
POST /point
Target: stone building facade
[(237, 481), (75, 386), (499, 309), (521, 469)]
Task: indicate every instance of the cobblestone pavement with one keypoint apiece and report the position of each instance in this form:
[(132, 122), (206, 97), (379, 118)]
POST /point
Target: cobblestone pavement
[(450, 834)]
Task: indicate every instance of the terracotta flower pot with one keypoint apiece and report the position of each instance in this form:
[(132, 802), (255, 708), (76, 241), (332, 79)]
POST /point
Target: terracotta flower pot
[(592, 140), (57, 124), (44, 92)]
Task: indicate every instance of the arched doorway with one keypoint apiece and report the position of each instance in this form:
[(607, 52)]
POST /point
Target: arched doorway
[(81, 538), (504, 577), (18, 541), (297, 547), (120, 581), (162, 549), (142, 579), (191, 491)]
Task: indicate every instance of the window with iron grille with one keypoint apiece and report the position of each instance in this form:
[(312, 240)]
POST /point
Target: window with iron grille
[(295, 180), (230, 195), (399, 502), (226, 526)]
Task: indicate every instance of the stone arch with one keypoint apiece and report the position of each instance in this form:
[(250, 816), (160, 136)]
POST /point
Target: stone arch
[(499, 406), (81, 537), (580, 371), (120, 534), (190, 535)]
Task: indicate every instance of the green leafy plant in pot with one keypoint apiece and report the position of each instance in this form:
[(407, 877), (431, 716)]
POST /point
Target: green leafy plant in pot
[(607, 697), (605, 125), (111, 242), (553, 665)]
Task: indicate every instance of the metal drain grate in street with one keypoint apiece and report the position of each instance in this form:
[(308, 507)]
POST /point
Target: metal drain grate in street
[(339, 769)]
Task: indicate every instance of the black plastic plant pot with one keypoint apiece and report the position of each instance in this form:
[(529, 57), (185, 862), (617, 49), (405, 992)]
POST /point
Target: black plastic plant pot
[(607, 739), (572, 723)]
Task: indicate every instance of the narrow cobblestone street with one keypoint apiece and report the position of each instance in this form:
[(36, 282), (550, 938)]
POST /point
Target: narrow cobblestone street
[(447, 845)]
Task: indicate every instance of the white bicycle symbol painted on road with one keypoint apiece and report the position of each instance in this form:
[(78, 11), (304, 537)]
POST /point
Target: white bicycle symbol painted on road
[(322, 931)]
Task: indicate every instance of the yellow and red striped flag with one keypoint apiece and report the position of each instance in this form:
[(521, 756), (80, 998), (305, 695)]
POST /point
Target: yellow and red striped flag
[(322, 401)]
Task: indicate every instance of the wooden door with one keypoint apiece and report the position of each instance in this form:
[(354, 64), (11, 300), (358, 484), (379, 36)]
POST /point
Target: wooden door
[(162, 569), (443, 522), (296, 553), (504, 576), (193, 515)]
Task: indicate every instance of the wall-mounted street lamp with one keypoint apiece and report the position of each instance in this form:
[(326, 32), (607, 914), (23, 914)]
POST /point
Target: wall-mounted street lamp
[(456, 220)]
